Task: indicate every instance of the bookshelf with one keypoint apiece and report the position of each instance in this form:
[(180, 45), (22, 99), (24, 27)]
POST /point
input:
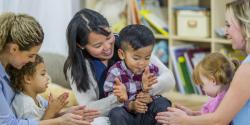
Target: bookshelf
[(216, 20)]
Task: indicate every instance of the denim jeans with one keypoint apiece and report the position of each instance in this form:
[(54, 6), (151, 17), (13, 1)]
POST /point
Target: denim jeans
[(120, 116)]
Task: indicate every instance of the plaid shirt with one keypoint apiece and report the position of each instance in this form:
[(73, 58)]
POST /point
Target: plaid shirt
[(132, 81)]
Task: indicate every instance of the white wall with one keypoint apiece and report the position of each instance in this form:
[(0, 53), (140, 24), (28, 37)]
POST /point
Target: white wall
[(53, 15)]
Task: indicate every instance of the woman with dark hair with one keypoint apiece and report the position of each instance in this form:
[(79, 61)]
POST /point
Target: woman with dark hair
[(92, 50)]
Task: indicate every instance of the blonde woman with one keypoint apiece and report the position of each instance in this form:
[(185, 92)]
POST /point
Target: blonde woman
[(235, 106), (21, 37)]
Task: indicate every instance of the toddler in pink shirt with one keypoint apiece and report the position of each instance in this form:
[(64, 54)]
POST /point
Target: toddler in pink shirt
[(214, 73)]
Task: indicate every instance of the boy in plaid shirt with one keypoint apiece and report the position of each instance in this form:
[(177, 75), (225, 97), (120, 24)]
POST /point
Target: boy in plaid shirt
[(137, 75)]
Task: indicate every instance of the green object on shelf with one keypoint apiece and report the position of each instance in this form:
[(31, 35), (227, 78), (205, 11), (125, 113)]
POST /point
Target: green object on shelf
[(187, 80)]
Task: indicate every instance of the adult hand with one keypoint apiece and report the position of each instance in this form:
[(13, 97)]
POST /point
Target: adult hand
[(72, 119), (144, 97), (173, 116), (90, 114), (87, 114), (80, 110), (120, 91), (148, 79)]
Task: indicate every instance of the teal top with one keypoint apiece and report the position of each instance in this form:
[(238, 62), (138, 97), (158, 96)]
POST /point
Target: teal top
[(243, 117)]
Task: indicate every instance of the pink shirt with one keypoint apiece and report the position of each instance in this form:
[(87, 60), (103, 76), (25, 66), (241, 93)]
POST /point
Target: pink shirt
[(213, 103)]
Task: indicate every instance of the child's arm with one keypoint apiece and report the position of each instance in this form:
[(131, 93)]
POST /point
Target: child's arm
[(55, 106), (165, 80)]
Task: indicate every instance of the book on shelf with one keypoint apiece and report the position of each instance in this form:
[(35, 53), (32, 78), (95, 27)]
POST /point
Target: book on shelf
[(157, 23), (161, 51), (134, 12), (184, 58), (194, 56), (147, 13), (185, 74), (175, 52)]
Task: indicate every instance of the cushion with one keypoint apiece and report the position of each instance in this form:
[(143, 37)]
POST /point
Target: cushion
[(57, 90), (54, 64)]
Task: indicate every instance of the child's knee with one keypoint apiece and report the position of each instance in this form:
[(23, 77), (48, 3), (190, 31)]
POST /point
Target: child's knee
[(160, 104), (117, 112), (162, 101)]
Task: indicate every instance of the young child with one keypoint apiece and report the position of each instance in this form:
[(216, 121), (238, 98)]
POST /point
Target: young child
[(135, 72), (214, 73), (29, 81)]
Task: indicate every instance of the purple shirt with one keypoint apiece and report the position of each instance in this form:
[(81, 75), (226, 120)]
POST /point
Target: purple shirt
[(213, 103), (133, 82)]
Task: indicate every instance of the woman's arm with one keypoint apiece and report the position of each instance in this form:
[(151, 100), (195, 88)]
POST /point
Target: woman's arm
[(165, 79), (236, 97), (66, 119), (89, 98), (7, 116)]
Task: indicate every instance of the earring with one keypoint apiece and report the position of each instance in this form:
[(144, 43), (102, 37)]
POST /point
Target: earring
[(81, 47)]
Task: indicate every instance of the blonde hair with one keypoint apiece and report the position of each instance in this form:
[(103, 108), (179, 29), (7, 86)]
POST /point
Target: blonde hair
[(240, 9), (21, 29), (215, 66)]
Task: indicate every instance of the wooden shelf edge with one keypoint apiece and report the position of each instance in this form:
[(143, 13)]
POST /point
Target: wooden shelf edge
[(159, 36), (194, 39), (221, 40)]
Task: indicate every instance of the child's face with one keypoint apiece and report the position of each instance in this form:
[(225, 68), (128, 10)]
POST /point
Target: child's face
[(39, 81), (209, 86), (136, 60)]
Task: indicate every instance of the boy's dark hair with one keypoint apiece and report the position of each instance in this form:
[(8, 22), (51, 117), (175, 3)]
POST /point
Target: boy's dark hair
[(17, 75), (137, 36)]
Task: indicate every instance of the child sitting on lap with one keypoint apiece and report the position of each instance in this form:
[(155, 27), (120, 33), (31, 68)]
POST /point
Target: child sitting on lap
[(29, 81), (214, 73), (137, 75)]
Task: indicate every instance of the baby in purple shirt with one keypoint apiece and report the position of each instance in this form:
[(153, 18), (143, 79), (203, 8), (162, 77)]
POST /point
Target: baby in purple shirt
[(214, 73), (136, 73)]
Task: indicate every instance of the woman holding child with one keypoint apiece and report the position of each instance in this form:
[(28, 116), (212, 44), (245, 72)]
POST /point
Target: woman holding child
[(92, 50), (21, 37), (235, 106)]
